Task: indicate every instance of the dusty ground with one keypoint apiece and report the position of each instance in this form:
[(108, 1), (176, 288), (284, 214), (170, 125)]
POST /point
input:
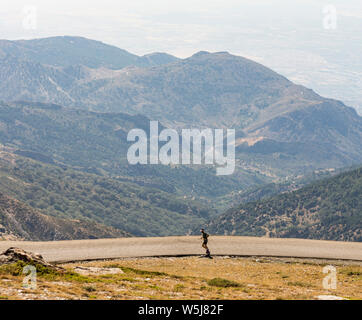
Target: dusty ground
[(187, 278)]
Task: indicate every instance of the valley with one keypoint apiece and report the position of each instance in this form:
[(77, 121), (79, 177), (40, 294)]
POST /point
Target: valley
[(65, 116)]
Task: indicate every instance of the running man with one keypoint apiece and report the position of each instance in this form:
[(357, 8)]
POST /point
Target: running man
[(204, 237)]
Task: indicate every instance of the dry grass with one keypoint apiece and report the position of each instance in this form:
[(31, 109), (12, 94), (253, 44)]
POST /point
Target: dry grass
[(189, 278)]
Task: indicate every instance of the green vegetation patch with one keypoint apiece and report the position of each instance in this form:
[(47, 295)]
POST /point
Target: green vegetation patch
[(223, 283), (142, 272), (16, 269)]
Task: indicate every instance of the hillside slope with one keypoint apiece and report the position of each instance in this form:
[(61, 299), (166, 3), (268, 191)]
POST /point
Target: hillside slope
[(68, 194), (19, 221), (97, 143), (330, 209)]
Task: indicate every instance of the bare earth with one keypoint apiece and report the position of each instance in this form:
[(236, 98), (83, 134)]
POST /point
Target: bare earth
[(68, 251)]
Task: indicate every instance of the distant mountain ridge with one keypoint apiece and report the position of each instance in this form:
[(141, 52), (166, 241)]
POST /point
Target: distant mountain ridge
[(274, 118), (71, 101), (69, 51)]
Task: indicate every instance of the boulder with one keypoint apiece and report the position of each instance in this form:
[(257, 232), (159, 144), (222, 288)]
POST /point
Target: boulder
[(13, 255)]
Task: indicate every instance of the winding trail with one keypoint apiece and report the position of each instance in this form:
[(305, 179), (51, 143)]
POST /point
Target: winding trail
[(82, 250)]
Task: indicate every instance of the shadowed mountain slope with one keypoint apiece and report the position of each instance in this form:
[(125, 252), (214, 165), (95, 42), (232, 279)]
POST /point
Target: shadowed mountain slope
[(330, 209)]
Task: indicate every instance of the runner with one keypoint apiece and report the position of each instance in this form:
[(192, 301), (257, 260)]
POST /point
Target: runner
[(205, 239)]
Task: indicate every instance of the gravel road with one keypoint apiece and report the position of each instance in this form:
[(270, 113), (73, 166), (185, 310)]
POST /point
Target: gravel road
[(78, 250)]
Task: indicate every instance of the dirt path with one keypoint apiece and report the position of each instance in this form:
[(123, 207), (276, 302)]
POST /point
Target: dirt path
[(65, 251)]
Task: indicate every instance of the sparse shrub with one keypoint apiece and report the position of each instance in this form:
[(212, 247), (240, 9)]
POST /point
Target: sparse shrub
[(223, 283), (89, 289), (178, 287), (142, 272)]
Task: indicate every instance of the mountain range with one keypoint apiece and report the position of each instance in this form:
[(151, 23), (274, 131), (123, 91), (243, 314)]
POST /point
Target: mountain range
[(67, 104), (273, 117)]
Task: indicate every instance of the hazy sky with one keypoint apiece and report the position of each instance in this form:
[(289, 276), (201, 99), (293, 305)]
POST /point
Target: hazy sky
[(178, 27), (286, 35)]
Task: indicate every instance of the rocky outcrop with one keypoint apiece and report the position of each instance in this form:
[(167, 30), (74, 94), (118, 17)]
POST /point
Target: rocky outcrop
[(13, 255)]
